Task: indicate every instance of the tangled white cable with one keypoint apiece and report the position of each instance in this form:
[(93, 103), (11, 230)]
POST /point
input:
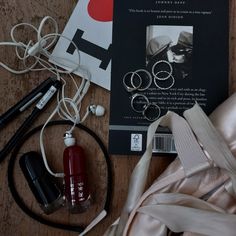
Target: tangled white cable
[(35, 56)]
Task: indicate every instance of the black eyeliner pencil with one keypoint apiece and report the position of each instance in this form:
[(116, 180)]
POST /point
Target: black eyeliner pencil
[(28, 122), (25, 102)]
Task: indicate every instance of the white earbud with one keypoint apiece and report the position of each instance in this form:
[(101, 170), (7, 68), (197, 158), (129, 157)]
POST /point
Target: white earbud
[(69, 140), (36, 48), (97, 110)]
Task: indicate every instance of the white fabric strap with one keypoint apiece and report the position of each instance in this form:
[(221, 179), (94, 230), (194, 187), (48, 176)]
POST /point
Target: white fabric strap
[(186, 146), (189, 151), (94, 222), (137, 179)]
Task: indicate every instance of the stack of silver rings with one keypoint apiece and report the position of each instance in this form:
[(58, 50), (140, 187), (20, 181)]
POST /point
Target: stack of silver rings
[(162, 75), (134, 82)]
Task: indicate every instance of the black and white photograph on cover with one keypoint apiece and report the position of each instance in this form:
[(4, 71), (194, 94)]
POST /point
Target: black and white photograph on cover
[(169, 51)]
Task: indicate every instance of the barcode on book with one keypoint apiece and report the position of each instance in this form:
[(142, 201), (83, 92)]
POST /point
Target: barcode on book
[(163, 143)]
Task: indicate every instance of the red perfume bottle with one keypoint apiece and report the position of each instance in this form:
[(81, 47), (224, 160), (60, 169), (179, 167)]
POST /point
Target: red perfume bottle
[(76, 185)]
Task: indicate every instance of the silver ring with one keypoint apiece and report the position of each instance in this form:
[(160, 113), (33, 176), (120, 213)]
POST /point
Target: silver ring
[(149, 77), (164, 88), (134, 100), (156, 74), (147, 108), (128, 87), (162, 72)]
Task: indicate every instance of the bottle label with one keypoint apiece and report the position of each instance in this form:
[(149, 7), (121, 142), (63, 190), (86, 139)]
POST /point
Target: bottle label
[(77, 191)]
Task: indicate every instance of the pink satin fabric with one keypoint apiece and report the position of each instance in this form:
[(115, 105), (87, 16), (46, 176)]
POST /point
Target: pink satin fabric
[(224, 119), (201, 185)]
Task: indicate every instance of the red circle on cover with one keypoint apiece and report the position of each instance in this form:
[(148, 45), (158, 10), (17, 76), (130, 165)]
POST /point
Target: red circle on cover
[(101, 10)]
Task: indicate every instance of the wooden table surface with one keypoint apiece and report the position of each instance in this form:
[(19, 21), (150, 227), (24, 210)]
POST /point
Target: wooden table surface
[(13, 87)]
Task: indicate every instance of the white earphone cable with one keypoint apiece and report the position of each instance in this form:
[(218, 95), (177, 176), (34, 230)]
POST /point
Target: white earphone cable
[(68, 108)]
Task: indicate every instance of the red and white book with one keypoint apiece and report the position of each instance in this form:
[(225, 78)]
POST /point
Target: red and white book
[(90, 28)]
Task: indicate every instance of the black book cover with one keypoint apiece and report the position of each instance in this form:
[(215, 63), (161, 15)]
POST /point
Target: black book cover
[(167, 55)]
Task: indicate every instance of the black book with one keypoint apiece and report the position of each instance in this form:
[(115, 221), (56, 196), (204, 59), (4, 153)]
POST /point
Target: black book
[(167, 55)]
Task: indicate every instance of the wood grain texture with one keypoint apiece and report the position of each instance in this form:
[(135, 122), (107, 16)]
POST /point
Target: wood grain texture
[(13, 222)]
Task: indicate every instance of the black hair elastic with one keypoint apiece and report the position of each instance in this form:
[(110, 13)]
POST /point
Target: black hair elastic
[(18, 199)]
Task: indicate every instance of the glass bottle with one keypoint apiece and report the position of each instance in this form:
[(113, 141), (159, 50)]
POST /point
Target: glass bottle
[(75, 176)]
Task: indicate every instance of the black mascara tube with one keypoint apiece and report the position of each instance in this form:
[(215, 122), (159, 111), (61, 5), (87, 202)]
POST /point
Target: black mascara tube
[(41, 183)]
